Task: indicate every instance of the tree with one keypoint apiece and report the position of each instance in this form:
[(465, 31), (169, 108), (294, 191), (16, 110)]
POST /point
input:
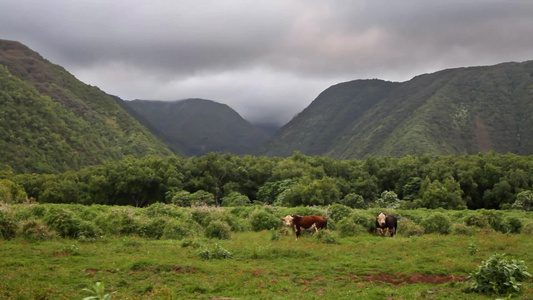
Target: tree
[(524, 201)]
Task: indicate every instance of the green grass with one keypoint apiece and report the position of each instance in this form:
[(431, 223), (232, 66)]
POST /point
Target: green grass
[(261, 268)]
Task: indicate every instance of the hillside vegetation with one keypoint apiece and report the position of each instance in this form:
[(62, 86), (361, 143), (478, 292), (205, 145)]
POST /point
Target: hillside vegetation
[(457, 111), (197, 126), (51, 122)]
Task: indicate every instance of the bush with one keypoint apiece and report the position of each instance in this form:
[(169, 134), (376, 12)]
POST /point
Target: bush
[(437, 223), (218, 230), (347, 227), (478, 220), (338, 212), (262, 220), (8, 226), (463, 229), (178, 230), (217, 253), (514, 224), (354, 201), (65, 222), (409, 228), (327, 237), (153, 228), (35, 229), (119, 222), (499, 275), (235, 199)]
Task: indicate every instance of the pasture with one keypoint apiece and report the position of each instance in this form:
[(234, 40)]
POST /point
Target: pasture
[(249, 264)]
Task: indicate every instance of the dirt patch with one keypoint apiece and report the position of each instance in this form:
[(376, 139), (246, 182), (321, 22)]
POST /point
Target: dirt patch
[(397, 279), (60, 254), (257, 272)]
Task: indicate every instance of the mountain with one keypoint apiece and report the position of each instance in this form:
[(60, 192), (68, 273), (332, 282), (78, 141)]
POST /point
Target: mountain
[(199, 126), (51, 122), (455, 111)]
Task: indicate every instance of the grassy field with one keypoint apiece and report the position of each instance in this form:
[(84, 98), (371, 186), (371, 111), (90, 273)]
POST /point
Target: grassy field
[(362, 267)]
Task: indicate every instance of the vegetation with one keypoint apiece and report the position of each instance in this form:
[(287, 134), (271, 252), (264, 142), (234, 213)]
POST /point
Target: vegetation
[(50, 122), (489, 181), (136, 260), (457, 111), (196, 127)]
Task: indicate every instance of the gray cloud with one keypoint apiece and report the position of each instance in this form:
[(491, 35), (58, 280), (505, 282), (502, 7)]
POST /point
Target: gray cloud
[(266, 59)]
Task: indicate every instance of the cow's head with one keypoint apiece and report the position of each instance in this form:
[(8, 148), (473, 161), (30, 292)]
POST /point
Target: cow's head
[(288, 220), (381, 218)]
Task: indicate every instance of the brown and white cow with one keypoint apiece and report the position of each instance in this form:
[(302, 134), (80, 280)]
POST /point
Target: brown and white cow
[(299, 223), (386, 224)]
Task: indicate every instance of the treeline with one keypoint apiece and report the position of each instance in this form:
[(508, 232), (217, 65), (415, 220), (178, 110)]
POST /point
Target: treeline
[(490, 181)]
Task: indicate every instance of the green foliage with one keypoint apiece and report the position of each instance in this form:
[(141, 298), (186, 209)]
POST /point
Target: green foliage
[(217, 253), (408, 228), (235, 199), (327, 237), (348, 227), (35, 229), (473, 249), (388, 199), (524, 201), (353, 200), (263, 220), (178, 229), (218, 230), (337, 212), (499, 274), (11, 192), (437, 223), (98, 292), (8, 226), (53, 123)]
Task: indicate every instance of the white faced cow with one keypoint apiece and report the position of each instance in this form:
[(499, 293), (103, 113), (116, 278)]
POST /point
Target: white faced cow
[(386, 224), (299, 223)]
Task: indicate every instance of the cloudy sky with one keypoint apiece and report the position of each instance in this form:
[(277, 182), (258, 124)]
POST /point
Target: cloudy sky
[(266, 59)]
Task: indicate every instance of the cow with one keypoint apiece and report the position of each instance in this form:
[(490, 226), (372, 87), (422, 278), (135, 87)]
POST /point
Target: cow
[(299, 223), (386, 224)]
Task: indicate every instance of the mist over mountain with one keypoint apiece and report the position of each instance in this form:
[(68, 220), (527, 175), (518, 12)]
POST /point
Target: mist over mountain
[(199, 126)]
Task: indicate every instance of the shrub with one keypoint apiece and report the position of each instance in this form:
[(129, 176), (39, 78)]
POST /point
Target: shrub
[(499, 274), (217, 253), (35, 229), (437, 223), (347, 227), (262, 220), (354, 201), (153, 228), (235, 199), (528, 228), (409, 228), (495, 220), (363, 218), (8, 226), (338, 212), (178, 230), (463, 229), (119, 222), (218, 230), (477, 219), (514, 224), (327, 237), (65, 222)]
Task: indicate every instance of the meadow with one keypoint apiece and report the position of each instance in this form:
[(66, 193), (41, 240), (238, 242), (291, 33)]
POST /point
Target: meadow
[(168, 252)]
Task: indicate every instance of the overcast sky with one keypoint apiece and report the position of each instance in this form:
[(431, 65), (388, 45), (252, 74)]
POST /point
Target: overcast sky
[(268, 60)]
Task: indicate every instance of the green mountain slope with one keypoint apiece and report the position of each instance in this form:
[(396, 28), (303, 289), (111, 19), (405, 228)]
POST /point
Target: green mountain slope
[(456, 111), (200, 126), (51, 122)]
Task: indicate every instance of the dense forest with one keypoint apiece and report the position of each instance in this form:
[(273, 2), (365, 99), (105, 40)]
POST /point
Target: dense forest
[(51, 122), (491, 181), (456, 111)]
